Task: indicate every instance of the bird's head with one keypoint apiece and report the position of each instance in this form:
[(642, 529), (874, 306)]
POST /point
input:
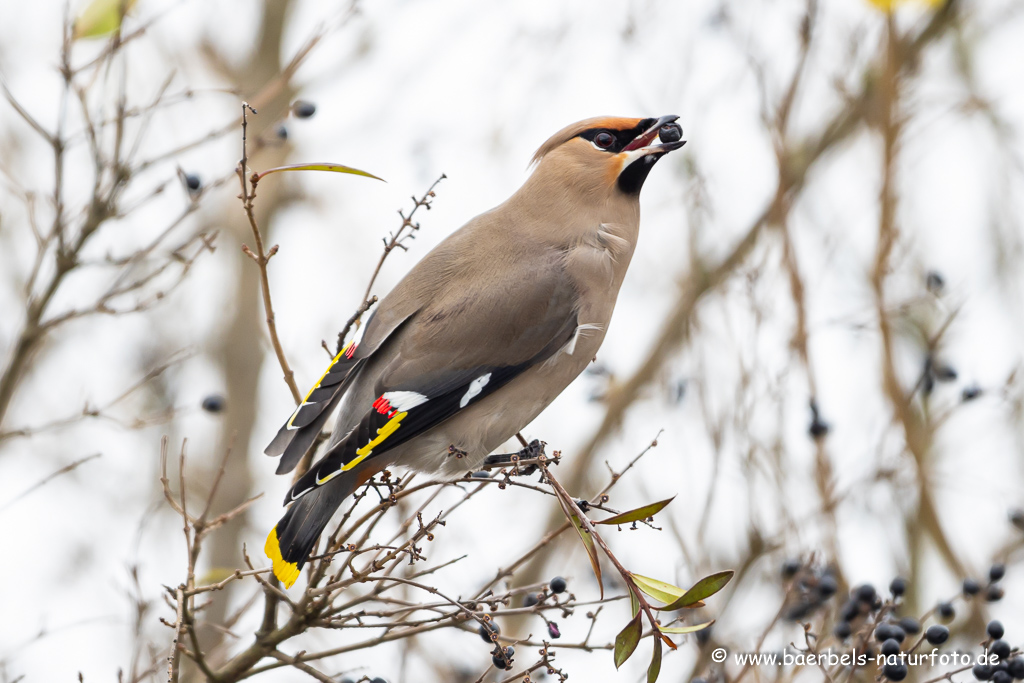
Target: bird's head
[(610, 152)]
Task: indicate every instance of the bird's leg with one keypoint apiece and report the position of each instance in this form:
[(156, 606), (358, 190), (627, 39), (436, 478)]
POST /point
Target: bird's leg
[(532, 451)]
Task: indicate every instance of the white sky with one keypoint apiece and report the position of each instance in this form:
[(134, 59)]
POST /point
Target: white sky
[(413, 89)]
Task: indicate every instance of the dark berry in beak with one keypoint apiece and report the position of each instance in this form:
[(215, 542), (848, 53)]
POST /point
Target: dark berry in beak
[(670, 132)]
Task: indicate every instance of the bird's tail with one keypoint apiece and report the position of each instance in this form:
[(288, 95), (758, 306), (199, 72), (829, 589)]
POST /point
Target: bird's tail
[(293, 538)]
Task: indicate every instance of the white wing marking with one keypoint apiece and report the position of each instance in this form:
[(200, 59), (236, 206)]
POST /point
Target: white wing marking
[(475, 387), (405, 400)]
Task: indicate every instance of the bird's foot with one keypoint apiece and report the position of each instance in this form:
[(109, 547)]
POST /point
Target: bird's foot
[(534, 450), (457, 452)]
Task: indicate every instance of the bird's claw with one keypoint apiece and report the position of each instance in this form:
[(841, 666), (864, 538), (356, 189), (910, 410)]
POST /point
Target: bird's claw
[(532, 451)]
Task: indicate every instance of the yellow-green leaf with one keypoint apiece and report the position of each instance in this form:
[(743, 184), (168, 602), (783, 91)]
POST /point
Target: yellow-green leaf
[(890, 5), (637, 515), (654, 670), (626, 641), (334, 168), (101, 18), (685, 629), (659, 590), (634, 604), (588, 542), (214, 575), (704, 588)]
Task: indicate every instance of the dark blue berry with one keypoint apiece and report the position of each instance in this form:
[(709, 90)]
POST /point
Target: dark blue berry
[(1017, 518), (670, 132), (482, 474), (487, 629), (842, 630), (799, 611), (910, 625), (530, 600), (1002, 677), (970, 393), (282, 132), (971, 587), (1001, 649), (303, 109), (790, 568), (937, 634), (503, 661), (557, 585), (1015, 667), (828, 586), (885, 632), (982, 672), (193, 182), (895, 672), (214, 403), (995, 629), (890, 647), (818, 428), (945, 611), (934, 282), (996, 572), (994, 593), (849, 611), (898, 586), (866, 594)]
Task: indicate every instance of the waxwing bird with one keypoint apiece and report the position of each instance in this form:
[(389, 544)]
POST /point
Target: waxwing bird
[(482, 334)]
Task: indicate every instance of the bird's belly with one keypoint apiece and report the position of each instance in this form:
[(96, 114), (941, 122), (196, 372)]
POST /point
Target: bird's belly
[(481, 428)]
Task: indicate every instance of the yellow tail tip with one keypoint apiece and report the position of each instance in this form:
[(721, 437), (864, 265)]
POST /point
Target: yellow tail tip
[(287, 572)]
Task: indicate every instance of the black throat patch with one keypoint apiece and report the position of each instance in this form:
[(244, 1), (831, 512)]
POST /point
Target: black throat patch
[(632, 178)]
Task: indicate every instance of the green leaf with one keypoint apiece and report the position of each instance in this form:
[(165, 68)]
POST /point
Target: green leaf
[(101, 18), (704, 588), (626, 641), (654, 670), (637, 515), (634, 603), (336, 168), (659, 590), (588, 542), (685, 629)]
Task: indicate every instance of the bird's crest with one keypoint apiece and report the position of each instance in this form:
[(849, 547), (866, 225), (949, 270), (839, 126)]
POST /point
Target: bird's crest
[(574, 129)]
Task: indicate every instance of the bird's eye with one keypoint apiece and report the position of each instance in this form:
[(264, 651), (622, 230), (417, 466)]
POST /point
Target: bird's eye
[(604, 140)]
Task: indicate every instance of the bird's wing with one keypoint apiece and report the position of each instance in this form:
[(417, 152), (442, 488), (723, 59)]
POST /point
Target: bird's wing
[(457, 349), (302, 427)]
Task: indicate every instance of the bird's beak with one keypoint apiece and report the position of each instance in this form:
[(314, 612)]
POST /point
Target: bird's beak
[(643, 141)]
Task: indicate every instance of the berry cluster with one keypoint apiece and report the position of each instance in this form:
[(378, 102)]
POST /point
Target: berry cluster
[(812, 588), (500, 657), (993, 591), (1007, 668), (489, 630), (892, 633)]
